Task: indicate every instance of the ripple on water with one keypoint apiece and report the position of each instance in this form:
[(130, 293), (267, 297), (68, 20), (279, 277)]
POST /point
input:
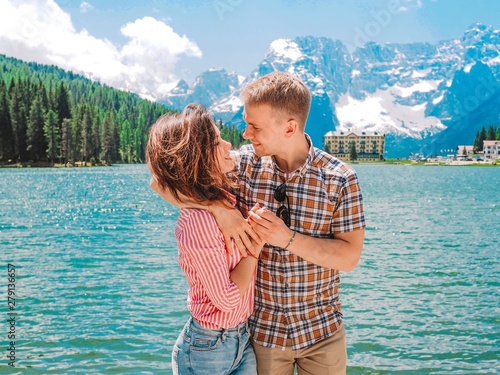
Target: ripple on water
[(100, 291)]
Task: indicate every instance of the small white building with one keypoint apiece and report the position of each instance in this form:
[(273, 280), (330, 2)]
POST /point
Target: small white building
[(491, 149), (465, 151)]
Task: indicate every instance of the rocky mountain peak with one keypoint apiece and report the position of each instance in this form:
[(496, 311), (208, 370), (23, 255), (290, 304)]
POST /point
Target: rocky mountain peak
[(411, 91)]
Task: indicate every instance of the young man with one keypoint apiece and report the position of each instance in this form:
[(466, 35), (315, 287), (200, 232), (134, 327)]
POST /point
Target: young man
[(313, 222)]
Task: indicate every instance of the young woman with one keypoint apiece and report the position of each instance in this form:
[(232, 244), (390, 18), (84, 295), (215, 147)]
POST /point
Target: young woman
[(188, 159)]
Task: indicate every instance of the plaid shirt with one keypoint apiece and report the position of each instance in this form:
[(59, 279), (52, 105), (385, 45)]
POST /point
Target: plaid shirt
[(296, 299)]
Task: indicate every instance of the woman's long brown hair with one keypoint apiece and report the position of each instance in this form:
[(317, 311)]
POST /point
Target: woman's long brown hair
[(181, 154)]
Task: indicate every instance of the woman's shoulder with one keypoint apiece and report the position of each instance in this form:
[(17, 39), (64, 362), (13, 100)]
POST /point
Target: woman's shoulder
[(197, 229), (194, 222), (190, 216)]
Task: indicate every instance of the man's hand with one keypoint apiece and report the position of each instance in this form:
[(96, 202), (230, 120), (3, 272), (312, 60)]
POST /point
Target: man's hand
[(339, 253), (270, 227), (259, 243)]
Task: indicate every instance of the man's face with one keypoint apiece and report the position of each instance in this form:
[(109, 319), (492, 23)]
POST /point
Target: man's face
[(263, 129)]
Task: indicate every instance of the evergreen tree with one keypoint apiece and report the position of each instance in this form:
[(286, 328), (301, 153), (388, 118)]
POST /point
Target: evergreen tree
[(114, 138), (327, 148), (63, 108), (6, 131), (476, 146), (36, 144), (51, 132), (86, 136), (62, 105), (141, 138), (96, 141), (107, 137), (353, 155), (18, 115), (126, 142), (482, 138), (497, 134), (136, 144), (231, 134), (75, 146), (65, 141), (42, 92), (491, 134)]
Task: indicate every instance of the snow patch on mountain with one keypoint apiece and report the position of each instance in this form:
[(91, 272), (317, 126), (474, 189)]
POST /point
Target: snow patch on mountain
[(421, 86), (286, 48), (380, 112), (421, 73), (438, 99), (231, 104), (494, 61)]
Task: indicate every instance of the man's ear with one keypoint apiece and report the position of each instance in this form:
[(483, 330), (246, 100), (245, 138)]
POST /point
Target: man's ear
[(291, 127)]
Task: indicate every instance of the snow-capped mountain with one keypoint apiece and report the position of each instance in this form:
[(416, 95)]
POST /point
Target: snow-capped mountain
[(207, 88), (423, 95)]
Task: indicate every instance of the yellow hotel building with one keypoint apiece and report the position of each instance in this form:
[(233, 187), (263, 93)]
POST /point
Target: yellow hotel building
[(369, 146)]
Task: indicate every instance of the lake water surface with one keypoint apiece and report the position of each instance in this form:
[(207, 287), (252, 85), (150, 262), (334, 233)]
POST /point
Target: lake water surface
[(98, 288)]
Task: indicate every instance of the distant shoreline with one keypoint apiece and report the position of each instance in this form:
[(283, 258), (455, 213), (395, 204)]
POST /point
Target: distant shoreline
[(387, 162), (411, 163), (43, 164)]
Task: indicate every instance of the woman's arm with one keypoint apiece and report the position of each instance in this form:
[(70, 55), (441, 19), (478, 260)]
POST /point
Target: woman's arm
[(242, 274), (203, 245)]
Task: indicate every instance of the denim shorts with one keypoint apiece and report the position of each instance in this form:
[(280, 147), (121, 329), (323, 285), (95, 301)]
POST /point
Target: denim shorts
[(213, 351)]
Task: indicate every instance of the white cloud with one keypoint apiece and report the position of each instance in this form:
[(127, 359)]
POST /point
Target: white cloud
[(41, 31), (153, 50), (85, 7), (411, 3), (418, 3)]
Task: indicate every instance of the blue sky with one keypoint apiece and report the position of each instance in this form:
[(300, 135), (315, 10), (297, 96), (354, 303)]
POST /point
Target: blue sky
[(145, 46)]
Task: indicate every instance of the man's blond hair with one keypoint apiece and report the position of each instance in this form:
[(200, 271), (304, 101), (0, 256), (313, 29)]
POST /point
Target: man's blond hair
[(287, 95)]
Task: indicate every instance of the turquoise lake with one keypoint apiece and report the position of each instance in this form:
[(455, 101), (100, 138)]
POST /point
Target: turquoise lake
[(98, 288)]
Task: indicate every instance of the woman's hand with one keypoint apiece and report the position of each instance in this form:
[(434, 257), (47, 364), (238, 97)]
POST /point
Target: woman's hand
[(236, 229)]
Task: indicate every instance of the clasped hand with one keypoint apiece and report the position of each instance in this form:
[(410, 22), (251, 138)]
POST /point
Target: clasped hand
[(250, 235)]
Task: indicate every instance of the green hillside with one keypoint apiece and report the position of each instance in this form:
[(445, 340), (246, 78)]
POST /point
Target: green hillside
[(48, 116)]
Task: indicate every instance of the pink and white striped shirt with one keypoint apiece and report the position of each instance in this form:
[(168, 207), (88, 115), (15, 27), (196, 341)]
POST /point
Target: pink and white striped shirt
[(213, 299)]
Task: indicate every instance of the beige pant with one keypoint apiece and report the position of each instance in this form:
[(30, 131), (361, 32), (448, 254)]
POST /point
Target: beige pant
[(326, 357)]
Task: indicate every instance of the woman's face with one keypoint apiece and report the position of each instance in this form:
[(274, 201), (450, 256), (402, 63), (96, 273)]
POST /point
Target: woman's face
[(222, 148)]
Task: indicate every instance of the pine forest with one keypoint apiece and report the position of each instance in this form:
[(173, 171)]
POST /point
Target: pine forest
[(49, 117)]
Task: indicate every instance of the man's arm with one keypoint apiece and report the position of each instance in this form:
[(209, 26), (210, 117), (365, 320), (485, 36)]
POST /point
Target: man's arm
[(229, 219), (168, 196), (340, 253)]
